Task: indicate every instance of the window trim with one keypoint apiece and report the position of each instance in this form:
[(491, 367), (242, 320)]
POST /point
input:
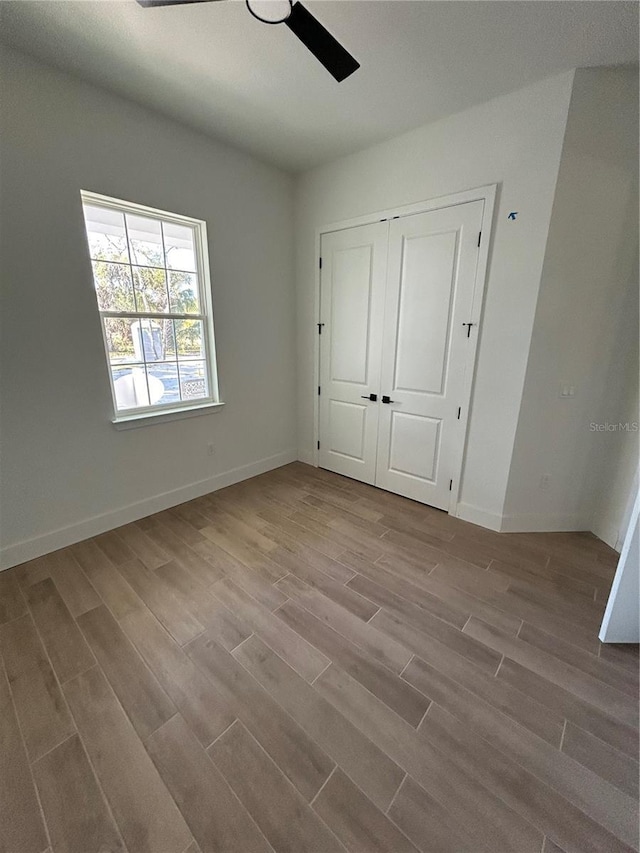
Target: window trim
[(158, 413)]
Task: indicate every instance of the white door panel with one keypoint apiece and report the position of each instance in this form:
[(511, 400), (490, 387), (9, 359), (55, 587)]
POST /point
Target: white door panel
[(347, 429), (350, 311), (352, 288), (424, 311), (414, 445), (429, 296)]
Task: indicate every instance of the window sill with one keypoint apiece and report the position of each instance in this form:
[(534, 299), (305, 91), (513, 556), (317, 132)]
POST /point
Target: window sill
[(150, 419)]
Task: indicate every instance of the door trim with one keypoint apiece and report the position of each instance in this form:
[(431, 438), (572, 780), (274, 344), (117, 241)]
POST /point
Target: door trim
[(487, 194)]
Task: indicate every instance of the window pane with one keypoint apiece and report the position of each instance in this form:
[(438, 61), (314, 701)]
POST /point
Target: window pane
[(184, 297), (119, 340), (167, 337), (194, 383), (106, 234), (151, 290), (189, 340), (153, 340), (163, 383), (130, 387), (179, 246), (145, 240), (114, 286)]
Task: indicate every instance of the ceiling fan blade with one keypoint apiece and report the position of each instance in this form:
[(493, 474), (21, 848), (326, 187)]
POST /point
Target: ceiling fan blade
[(338, 61), (150, 3)]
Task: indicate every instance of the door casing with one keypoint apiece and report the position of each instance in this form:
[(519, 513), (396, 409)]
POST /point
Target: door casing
[(488, 195)]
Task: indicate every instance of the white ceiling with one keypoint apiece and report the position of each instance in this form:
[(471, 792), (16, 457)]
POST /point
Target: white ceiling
[(215, 68)]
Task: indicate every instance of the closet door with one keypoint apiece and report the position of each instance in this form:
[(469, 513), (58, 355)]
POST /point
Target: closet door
[(352, 288), (429, 295)]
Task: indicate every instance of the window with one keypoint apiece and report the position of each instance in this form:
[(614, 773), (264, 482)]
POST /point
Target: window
[(151, 277)]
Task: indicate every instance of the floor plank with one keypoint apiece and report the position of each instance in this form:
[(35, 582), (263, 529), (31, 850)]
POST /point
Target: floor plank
[(178, 550), (190, 690), (359, 825), (376, 774), (146, 703), (12, 603), (417, 592), (307, 660), (617, 704), (618, 768), (589, 792), (482, 815), (427, 823), (76, 813), (259, 587), (145, 549), (295, 753), (71, 582), (113, 589), (196, 599), (316, 560), (281, 813), (145, 813), (33, 571), (411, 616), (41, 710), (458, 683), (371, 674), (65, 645), (21, 825), (114, 548), (376, 644), (407, 702), (459, 600), (535, 801), (216, 818), (331, 589), (165, 602), (614, 676), (574, 708)]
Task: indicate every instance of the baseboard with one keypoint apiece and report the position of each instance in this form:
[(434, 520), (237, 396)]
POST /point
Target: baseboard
[(482, 517), (29, 549), (523, 523), (552, 523), (307, 456)]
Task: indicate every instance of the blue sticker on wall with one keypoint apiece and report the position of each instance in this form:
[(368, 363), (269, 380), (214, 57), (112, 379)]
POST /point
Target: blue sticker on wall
[(512, 215)]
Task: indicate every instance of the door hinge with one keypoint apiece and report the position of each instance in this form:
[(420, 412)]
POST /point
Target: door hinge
[(458, 412), (318, 445), (320, 263), (319, 325), (450, 484), (318, 390), (479, 239)]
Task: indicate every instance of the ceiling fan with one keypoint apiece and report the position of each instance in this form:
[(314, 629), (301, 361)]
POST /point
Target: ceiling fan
[(316, 38)]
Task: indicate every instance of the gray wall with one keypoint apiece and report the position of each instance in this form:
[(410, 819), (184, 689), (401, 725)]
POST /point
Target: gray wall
[(514, 140), (586, 325), (63, 463)]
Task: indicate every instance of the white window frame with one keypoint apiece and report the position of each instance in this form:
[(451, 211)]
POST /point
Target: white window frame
[(159, 412)]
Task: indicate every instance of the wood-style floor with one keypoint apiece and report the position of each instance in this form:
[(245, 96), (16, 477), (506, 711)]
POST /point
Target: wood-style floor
[(304, 664)]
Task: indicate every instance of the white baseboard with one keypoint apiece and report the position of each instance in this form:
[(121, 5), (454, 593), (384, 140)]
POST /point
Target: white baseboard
[(530, 523), (29, 549), (482, 517), (524, 523), (307, 456)]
